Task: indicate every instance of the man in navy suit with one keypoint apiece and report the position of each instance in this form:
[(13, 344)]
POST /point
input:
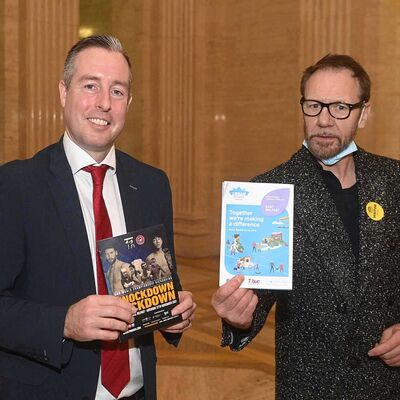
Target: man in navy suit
[(52, 322)]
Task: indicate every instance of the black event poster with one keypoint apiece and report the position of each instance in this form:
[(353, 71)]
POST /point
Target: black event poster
[(138, 267)]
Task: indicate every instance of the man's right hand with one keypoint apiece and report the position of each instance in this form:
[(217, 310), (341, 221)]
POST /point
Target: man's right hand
[(234, 304), (98, 317)]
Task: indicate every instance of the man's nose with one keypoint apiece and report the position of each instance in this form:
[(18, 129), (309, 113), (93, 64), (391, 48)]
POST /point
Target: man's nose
[(324, 118), (103, 100)]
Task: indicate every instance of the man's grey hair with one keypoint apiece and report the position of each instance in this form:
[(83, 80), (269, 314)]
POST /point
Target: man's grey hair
[(107, 42)]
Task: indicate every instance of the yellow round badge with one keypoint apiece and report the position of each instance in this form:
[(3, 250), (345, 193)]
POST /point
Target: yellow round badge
[(375, 211)]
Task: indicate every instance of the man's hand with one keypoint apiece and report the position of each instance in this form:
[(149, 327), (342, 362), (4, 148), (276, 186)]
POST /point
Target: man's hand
[(234, 304), (388, 349), (98, 317), (185, 307)]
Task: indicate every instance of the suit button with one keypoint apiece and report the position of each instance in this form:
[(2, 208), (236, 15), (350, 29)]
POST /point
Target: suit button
[(342, 308), (354, 362)]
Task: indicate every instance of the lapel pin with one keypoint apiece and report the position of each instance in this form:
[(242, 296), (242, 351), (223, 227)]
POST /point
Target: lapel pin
[(133, 187), (375, 211)]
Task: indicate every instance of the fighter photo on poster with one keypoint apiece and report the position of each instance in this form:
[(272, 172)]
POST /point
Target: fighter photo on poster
[(138, 267), (257, 234)]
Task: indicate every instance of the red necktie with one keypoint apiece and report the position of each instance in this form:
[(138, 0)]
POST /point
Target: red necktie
[(115, 373)]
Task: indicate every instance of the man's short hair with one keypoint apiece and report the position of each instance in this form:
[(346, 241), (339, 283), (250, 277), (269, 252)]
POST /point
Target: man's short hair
[(157, 234), (107, 42), (340, 61)]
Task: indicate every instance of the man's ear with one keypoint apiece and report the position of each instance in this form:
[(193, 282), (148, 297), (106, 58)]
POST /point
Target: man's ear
[(129, 101), (62, 88), (364, 115)]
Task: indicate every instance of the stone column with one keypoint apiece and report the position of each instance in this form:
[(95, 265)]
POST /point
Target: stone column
[(37, 36)]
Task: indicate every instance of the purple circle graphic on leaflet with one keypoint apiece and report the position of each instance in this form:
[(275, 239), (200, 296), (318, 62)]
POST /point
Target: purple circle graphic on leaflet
[(275, 202)]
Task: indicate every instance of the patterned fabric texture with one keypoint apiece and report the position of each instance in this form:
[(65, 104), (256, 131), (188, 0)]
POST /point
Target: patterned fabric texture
[(338, 307)]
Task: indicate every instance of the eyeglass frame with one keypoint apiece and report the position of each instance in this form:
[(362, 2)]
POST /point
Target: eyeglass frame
[(352, 107)]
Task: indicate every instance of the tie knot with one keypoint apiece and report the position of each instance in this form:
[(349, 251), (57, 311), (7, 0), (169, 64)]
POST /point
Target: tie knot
[(98, 173)]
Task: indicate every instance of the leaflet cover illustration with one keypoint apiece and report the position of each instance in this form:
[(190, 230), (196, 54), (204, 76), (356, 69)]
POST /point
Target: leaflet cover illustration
[(257, 234), (138, 267)]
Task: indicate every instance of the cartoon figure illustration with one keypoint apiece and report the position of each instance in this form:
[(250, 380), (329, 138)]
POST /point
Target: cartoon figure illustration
[(272, 265), (236, 245), (272, 242), (244, 262), (238, 264)]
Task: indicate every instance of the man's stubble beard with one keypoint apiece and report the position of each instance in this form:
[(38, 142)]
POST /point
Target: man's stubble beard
[(328, 151)]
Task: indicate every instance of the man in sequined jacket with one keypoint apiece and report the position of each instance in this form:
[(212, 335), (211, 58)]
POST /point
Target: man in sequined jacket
[(338, 330)]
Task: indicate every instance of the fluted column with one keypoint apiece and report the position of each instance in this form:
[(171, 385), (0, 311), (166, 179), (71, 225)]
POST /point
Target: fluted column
[(41, 33), (10, 143), (325, 27), (170, 134)]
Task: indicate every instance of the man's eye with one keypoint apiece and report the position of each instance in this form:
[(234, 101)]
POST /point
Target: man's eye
[(313, 106), (90, 86), (342, 107), (117, 93)]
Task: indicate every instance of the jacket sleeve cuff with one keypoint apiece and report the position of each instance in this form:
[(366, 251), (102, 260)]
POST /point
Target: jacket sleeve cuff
[(235, 338)]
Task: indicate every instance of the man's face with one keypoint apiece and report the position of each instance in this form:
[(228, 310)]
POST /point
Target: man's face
[(153, 261), (325, 135), (157, 242), (111, 255), (96, 102), (125, 273)]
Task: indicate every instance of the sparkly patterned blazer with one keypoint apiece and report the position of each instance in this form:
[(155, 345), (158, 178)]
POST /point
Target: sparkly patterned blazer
[(338, 307)]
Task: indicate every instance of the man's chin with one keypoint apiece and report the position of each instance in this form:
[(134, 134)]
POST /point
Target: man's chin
[(324, 152)]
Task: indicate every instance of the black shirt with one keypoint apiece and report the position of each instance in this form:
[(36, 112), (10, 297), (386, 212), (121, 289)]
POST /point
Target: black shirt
[(346, 201)]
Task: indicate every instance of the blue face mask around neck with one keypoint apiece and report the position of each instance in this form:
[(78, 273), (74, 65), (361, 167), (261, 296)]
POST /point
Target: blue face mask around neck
[(351, 148)]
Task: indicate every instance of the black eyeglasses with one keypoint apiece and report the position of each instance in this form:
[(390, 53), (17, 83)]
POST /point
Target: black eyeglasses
[(337, 110)]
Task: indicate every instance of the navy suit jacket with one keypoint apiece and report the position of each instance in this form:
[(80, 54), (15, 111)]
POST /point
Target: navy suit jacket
[(46, 266)]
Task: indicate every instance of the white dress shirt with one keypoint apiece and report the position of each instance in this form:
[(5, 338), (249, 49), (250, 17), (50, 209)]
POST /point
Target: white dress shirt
[(78, 159)]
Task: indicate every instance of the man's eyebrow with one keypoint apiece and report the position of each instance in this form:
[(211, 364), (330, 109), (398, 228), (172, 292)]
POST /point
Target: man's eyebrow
[(122, 83), (89, 78)]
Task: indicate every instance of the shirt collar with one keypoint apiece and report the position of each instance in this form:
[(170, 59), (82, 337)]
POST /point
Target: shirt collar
[(78, 158)]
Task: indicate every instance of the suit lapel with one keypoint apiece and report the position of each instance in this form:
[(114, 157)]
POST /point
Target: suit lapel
[(372, 189), (318, 216), (63, 189), (131, 196)]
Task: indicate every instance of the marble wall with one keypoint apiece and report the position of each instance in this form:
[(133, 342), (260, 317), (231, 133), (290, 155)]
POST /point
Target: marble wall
[(216, 84), (35, 38)]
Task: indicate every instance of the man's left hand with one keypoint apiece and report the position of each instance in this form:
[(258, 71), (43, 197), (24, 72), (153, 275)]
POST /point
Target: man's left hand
[(186, 308), (388, 349)]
